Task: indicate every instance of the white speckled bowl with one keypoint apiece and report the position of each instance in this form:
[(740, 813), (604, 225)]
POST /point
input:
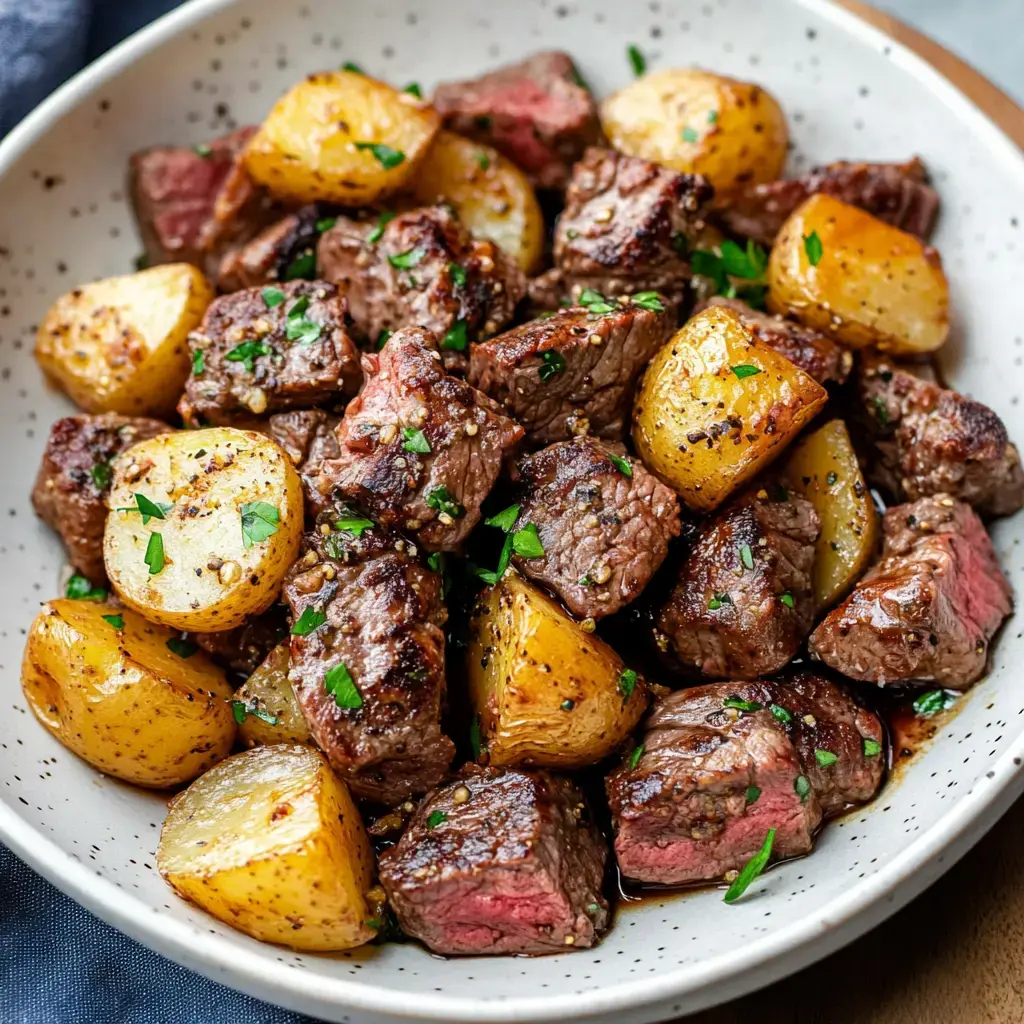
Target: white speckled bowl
[(849, 92)]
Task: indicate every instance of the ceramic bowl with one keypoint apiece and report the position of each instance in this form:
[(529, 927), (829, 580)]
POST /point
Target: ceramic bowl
[(848, 92)]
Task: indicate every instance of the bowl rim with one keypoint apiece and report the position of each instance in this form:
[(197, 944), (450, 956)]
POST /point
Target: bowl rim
[(764, 960)]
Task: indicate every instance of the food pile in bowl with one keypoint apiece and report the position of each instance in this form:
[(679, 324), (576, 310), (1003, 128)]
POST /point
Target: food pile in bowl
[(483, 504)]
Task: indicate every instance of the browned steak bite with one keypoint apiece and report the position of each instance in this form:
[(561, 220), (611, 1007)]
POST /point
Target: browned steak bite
[(931, 440), (310, 438), (604, 522), (499, 861), (244, 648), (422, 268), (928, 609), (263, 350), (813, 351), (720, 765), (896, 193), (419, 448), (574, 372), (539, 113), (74, 479), (743, 602), (626, 227), (367, 656)]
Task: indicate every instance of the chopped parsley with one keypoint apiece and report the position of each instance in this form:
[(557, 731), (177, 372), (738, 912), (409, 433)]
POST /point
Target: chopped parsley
[(749, 263), (413, 89), (247, 353), (240, 709), (690, 134), (272, 297), (483, 160), (712, 117), (408, 259), (745, 370), (259, 521), (141, 262), (384, 155), (813, 248), (526, 542), (415, 441), (881, 413), (198, 362), (825, 758), (435, 562), (339, 684), (568, 704), (304, 331), (382, 339), (298, 307), (621, 464), (637, 61), (781, 713), (872, 748), (475, 740), (751, 869), (382, 222), (802, 788), (202, 149), (80, 589), (831, 479), (101, 474), (747, 556), (440, 498), (734, 701), (490, 578), (353, 67), (436, 818), (717, 601), (117, 621), (634, 758), (650, 301), (505, 519), (457, 273), (309, 621), (148, 509), (455, 340), (325, 224), (356, 525), (787, 599), (932, 702), (154, 556), (302, 268), (552, 363), (753, 792), (181, 647), (627, 683)]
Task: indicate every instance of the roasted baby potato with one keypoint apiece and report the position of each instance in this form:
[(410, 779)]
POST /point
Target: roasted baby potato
[(265, 706), (823, 468), (842, 270), (492, 197), (270, 842), (109, 686), (118, 345), (203, 525), (544, 691), (716, 406), (340, 137), (732, 132)]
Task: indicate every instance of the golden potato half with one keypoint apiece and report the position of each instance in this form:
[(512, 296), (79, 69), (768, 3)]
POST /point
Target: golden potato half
[(842, 270), (716, 406), (340, 137), (271, 843), (265, 705), (732, 132), (105, 683), (544, 691), (203, 525), (119, 345)]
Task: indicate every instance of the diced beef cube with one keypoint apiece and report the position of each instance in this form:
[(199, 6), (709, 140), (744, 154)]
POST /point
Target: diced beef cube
[(930, 440), (813, 351), (74, 479), (574, 372), (743, 602), (499, 861), (604, 531), (626, 227), (422, 269), (419, 448), (899, 194), (259, 352), (722, 764), (244, 648), (309, 437), (928, 609), (370, 676), (539, 113)]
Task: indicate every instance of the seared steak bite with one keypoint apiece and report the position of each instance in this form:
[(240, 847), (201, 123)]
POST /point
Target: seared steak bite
[(604, 522), (743, 601), (626, 227), (265, 350), (931, 440), (244, 648), (499, 861), (419, 448), (899, 194), (309, 437), (74, 479), (722, 764), (574, 372), (928, 609), (538, 113), (367, 656), (813, 351)]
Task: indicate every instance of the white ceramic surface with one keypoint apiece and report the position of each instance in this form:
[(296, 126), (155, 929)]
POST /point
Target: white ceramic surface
[(848, 92)]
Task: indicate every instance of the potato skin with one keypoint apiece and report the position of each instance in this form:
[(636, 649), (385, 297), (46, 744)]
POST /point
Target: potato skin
[(119, 345), (271, 843), (306, 149), (823, 468), (121, 699), (546, 693), (874, 284), (703, 429), (492, 197), (732, 132), (211, 581), (269, 691)]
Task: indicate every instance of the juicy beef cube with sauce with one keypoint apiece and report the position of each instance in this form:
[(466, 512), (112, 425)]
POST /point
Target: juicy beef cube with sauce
[(309, 438), (265, 350), (743, 602), (574, 372), (74, 479), (930, 440), (538, 113), (244, 648), (626, 227), (499, 861), (418, 447), (720, 765), (367, 664), (928, 609), (899, 194), (604, 523)]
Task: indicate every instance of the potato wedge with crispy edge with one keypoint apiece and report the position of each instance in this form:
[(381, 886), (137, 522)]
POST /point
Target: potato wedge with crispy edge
[(267, 706), (105, 683)]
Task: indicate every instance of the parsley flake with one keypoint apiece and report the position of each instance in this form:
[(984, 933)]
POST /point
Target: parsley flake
[(382, 339), (457, 273), (751, 869), (690, 134), (413, 89), (384, 155), (745, 370), (872, 748), (309, 621), (181, 647), (621, 464), (304, 331), (505, 519), (117, 621), (382, 222), (241, 710), (436, 818), (552, 363), (339, 684), (881, 412), (408, 259), (356, 525), (202, 149), (787, 599), (198, 362), (455, 340), (932, 702), (712, 117), (302, 268), (247, 353), (483, 160), (650, 301), (802, 788), (101, 475), (259, 521), (80, 589), (526, 542), (737, 702), (753, 792), (627, 684), (634, 758), (148, 509), (154, 556), (781, 713), (353, 67), (325, 224), (272, 297), (440, 498), (475, 740), (825, 757), (415, 441), (718, 600), (637, 61), (813, 248), (747, 556)]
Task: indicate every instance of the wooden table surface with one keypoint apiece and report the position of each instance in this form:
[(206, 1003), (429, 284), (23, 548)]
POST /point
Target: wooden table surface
[(955, 954)]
